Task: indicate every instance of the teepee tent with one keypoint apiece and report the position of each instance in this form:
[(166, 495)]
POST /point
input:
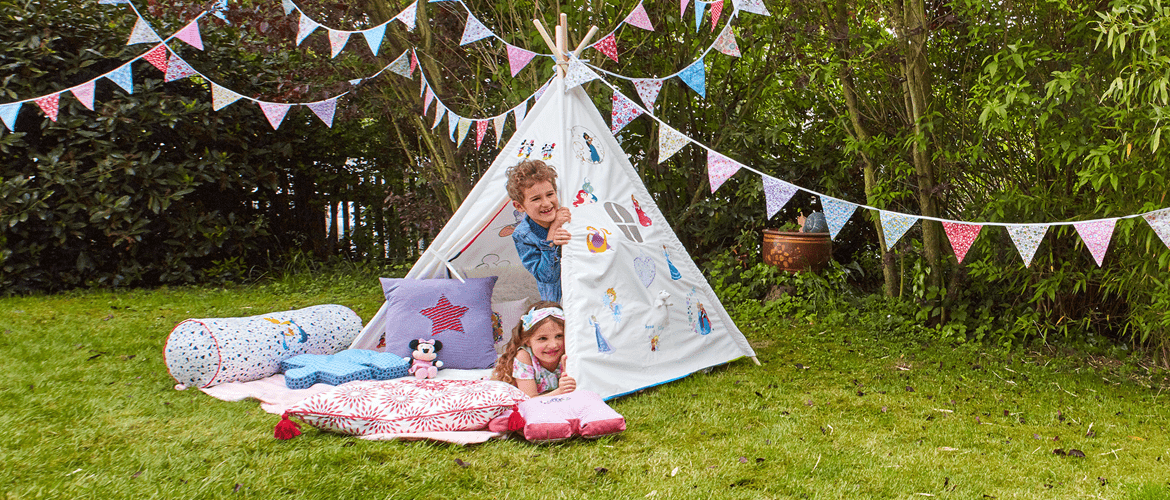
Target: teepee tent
[(638, 311)]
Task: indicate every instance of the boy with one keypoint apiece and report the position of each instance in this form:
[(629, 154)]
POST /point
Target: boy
[(538, 238)]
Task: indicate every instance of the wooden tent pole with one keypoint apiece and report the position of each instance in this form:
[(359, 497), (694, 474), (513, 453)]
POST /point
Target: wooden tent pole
[(585, 41), (544, 34)]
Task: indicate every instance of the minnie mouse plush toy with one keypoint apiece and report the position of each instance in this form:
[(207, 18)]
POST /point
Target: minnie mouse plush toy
[(424, 365)]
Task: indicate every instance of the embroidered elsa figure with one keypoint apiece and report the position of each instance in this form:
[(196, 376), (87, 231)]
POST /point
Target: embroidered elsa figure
[(674, 274)]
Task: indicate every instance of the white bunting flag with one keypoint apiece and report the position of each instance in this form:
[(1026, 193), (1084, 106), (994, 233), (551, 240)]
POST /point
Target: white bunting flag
[(670, 141), (275, 112), (1027, 239), (221, 97), (337, 41), (306, 27)]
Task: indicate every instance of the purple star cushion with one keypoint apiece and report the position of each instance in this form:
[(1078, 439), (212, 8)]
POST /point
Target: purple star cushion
[(458, 314)]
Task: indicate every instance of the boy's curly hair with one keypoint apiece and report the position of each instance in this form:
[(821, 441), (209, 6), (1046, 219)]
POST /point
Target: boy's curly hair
[(526, 174)]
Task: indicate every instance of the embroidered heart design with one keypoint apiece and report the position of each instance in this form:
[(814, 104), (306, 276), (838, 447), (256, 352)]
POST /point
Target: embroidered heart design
[(644, 266)]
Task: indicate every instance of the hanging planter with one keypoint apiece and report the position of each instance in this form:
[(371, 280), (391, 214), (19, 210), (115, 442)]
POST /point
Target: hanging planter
[(796, 251)]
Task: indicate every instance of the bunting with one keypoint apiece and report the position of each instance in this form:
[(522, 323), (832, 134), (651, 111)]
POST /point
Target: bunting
[(337, 41), (221, 97), (123, 77), (577, 74), (452, 124), (776, 194), (190, 34), (177, 69), (518, 58), (607, 46), (1096, 235), (8, 114), (374, 37), (648, 90), (142, 33), (623, 112), (695, 76), (401, 66), (288, 5), (413, 62), (408, 16), (639, 18), (48, 104), (1027, 240), (720, 168), (895, 225), (726, 42), (84, 93), (499, 123), (440, 110), (520, 112), (1160, 222), (157, 57), (837, 213), (961, 236), (275, 112), (753, 6), (474, 31), (324, 110), (700, 9), (427, 100), (480, 129), (716, 12), (682, 7), (306, 27), (669, 142), (463, 126), (540, 91)]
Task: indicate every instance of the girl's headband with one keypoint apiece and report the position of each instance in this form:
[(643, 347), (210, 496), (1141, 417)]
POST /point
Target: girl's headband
[(534, 316)]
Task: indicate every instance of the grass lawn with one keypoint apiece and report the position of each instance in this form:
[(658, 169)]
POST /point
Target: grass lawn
[(90, 412)]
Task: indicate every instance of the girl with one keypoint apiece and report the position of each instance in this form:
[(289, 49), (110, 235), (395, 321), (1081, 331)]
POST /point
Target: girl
[(534, 360)]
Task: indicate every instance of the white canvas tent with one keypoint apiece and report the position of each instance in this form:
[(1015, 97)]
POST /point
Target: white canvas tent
[(622, 262)]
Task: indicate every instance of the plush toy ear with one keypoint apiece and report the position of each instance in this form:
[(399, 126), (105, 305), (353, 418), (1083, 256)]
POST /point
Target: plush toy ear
[(413, 344), (438, 346)]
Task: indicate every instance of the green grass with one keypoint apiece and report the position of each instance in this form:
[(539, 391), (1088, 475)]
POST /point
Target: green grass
[(90, 412)]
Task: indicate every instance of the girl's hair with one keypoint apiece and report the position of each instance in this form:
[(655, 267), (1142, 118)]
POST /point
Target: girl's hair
[(520, 338), (526, 174)]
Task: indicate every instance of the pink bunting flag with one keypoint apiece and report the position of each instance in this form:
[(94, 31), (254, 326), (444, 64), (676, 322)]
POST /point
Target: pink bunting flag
[(427, 100), (48, 104), (1096, 235), (669, 142), (413, 62), (474, 31), (480, 129), (275, 112), (682, 7), (1027, 239), (157, 57), (142, 33), (961, 236), (624, 112), (648, 90), (84, 93), (726, 42), (518, 58), (337, 41), (639, 18), (720, 168), (408, 16), (190, 34), (324, 110), (177, 69), (776, 194), (716, 10), (1160, 222), (499, 124), (607, 46)]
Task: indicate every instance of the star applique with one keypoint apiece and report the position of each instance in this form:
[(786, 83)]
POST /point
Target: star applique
[(444, 316)]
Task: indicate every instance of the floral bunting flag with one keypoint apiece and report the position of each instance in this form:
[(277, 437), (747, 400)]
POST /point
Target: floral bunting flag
[(422, 83), (324, 110), (669, 142), (716, 12), (84, 93), (499, 123), (480, 129), (112, 2), (623, 112), (306, 27), (178, 69), (275, 112), (753, 6), (700, 9), (540, 91), (452, 124), (720, 168), (288, 5), (1096, 235), (1160, 222), (157, 57), (142, 33), (464, 126), (726, 42), (8, 114), (521, 112), (123, 77), (427, 100), (190, 34), (413, 62), (776, 194), (48, 104), (474, 31), (221, 97), (695, 76), (440, 110), (374, 37), (518, 58), (607, 46), (578, 74), (408, 16), (648, 90), (1027, 239), (895, 225), (682, 7), (401, 66), (961, 236), (837, 213), (639, 18), (337, 41)]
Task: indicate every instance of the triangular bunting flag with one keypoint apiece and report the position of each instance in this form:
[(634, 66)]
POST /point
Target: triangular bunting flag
[(578, 73), (682, 7), (716, 11), (177, 69), (112, 2), (639, 18), (8, 114), (413, 62), (480, 129), (518, 58), (720, 168), (422, 83), (1027, 240), (700, 9), (961, 236), (306, 27), (540, 91), (648, 90), (324, 110), (221, 97), (726, 42), (452, 124), (776, 194), (520, 112), (695, 76), (474, 31), (142, 33), (440, 110), (275, 112), (288, 5), (48, 104), (608, 46), (190, 34), (1160, 222), (753, 6), (123, 77), (1096, 234), (84, 93), (669, 141), (408, 16), (427, 100), (401, 66), (895, 225), (837, 213), (623, 112), (374, 37), (157, 57), (337, 41), (499, 123)]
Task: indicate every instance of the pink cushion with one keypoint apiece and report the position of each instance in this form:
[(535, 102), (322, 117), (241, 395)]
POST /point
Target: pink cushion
[(408, 406), (578, 413)]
